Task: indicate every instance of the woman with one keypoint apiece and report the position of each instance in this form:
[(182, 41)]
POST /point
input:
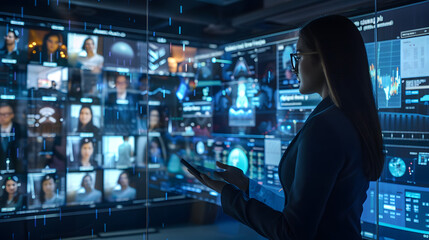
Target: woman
[(48, 195), (91, 66), (325, 171), (86, 121), (90, 194), (92, 61), (51, 50), (126, 192), (86, 159), (11, 198)]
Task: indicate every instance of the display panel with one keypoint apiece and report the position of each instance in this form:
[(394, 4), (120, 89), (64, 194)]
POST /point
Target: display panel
[(93, 122), (397, 65), (72, 114)]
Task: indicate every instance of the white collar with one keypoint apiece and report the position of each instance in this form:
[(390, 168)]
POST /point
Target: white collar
[(7, 129), (122, 96)]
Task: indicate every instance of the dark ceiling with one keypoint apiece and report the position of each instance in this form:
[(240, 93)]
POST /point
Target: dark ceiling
[(211, 21)]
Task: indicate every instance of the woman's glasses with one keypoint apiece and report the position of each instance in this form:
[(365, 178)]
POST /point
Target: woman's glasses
[(296, 57)]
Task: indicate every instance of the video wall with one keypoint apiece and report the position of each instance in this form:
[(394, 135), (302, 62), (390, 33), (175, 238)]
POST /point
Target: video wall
[(71, 115), (86, 115)]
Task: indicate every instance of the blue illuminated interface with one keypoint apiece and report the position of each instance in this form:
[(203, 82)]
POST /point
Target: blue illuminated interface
[(88, 122)]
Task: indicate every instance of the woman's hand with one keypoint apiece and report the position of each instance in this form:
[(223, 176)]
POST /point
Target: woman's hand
[(209, 182), (234, 176)]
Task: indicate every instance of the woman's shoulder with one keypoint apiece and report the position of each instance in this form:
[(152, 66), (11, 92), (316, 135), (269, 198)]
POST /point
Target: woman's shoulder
[(332, 119), (96, 192), (333, 125), (99, 57)]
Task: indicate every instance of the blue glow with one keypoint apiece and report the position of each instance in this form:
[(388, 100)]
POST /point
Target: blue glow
[(181, 91), (213, 193), (238, 158)]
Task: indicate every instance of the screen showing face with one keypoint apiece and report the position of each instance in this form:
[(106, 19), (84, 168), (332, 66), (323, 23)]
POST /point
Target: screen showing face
[(47, 48), (13, 51), (45, 190), (84, 188)]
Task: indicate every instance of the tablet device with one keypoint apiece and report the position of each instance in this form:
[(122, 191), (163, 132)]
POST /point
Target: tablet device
[(197, 172), (190, 167)]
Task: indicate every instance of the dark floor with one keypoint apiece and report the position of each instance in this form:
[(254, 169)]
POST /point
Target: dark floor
[(224, 230)]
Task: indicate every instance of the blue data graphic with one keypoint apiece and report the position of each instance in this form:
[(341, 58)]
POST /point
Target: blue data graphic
[(386, 78), (238, 158), (397, 167)]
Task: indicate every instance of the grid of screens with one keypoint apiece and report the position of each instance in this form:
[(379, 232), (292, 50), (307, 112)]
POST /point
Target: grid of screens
[(80, 112), (71, 115)]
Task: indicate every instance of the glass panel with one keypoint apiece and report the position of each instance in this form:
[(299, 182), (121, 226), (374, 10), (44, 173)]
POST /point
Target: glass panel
[(231, 98), (100, 100), (71, 116), (402, 92)]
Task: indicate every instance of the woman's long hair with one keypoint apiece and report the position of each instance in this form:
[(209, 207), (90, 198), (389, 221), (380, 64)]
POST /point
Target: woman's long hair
[(84, 141), (119, 178), (5, 195), (90, 126), (42, 193), (345, 65), (45, 47)]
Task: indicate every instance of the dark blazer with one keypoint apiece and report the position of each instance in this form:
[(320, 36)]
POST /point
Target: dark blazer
[(15, 145), (323, 181)]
